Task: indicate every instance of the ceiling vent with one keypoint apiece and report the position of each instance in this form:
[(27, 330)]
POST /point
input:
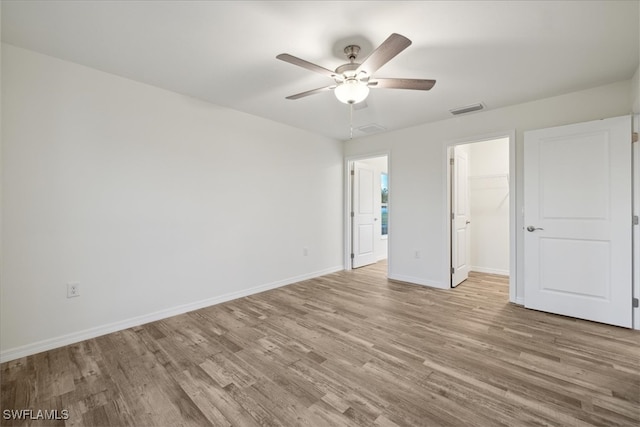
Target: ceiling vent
[(467, 109), (371, 128)]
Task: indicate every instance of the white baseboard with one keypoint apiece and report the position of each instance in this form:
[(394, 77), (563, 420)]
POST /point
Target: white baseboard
[(417, 281), (490, 270), (72, 338)]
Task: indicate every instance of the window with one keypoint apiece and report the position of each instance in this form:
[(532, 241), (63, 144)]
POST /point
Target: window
[(384, 198)]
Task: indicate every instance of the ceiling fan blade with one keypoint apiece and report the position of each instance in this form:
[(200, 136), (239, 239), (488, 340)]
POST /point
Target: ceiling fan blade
[(414, 84), (305, 64), (389, 48), (311, 92)]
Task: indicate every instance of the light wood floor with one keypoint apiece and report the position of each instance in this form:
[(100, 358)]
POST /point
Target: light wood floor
[(349, 349)]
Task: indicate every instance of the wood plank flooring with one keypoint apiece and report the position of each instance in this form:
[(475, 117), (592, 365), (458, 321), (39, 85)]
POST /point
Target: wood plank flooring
[(346, 349)]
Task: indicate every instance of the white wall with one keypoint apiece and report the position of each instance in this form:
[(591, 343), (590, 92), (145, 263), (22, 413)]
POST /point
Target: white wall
[(489, 206), (418, 167), (154, 202)]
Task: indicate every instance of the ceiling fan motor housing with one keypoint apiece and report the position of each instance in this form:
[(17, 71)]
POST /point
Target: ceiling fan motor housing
[(352, 85), (348, 71)]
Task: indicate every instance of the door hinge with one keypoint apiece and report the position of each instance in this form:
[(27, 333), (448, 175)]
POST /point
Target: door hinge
[(635, 303), (353, 172), (451, 161), (453, 216), (634, 137), (635, 220), (352, 256), (453, 270), (352, 215)]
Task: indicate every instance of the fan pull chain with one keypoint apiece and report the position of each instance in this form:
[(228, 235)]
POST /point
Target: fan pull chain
[(351, 120)]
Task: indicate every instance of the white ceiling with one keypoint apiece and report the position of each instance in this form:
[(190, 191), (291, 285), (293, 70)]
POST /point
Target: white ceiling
[(499, 53)]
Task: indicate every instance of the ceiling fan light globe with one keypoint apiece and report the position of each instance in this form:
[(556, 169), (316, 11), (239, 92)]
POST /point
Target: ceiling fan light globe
[(352, 91)]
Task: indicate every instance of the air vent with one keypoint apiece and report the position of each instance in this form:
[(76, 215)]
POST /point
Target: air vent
[(467, 109), (371, 128)]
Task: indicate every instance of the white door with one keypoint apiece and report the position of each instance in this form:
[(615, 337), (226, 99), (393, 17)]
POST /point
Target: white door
[(578, 224), (460, 248), (364, 215)]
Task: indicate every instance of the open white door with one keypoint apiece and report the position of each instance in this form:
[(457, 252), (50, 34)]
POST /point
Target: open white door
[(460, 249), (364, 215), (577, 243)]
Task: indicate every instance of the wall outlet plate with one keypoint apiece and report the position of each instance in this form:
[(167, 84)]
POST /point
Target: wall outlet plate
[(73, 290)]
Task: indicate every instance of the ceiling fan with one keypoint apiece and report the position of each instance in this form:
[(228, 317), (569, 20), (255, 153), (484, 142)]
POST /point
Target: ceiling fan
[(353, 79)]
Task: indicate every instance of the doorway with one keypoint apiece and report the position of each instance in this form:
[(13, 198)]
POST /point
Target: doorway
[(367, 210), (481, 208)]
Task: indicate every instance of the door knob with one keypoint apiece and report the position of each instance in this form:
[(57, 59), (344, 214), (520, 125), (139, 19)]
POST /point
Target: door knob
[(531, 228), (468, 222)]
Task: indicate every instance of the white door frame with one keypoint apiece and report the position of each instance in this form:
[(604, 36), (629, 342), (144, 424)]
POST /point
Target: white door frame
[(635, 167), (513, 267), (348, 200)]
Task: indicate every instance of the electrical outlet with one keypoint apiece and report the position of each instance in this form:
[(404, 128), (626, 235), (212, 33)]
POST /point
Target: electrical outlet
[(305, 251), (73, 290), (417, 254)]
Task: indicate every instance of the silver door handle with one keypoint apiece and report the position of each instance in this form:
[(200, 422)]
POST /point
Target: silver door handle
[(531, 228), (468, 222)]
